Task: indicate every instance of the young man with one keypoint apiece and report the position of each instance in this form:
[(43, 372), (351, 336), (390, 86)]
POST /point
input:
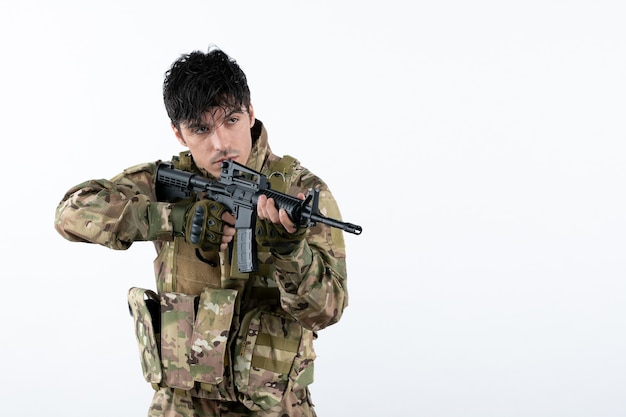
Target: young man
[(219, 342)]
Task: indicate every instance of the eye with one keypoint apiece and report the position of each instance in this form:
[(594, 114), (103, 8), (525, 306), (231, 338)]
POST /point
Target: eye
[(201, 130), (232, 120)]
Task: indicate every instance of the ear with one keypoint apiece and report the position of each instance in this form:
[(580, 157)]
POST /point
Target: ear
[(179, 135), (251, 113)]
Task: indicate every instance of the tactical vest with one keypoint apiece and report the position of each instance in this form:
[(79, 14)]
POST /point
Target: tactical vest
[(215, 332)]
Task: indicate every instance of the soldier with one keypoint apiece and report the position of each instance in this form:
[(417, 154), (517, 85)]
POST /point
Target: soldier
[(213, 341)]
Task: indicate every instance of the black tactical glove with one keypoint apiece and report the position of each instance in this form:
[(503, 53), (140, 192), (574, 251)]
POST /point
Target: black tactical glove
[(200, 222), (277, 238)]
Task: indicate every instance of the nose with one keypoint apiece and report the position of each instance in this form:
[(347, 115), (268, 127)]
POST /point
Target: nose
[(220, 139)]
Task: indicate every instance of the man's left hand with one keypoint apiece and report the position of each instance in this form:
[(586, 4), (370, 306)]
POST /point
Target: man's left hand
[(274, 227)]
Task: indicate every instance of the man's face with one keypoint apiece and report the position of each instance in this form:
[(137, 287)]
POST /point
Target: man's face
[(221, 135)]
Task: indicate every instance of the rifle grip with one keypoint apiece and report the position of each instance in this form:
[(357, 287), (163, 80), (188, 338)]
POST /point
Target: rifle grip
[(246, 251)]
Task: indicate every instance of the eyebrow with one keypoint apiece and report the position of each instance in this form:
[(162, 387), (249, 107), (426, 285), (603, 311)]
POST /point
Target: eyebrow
[(198, 124), (234, 111)]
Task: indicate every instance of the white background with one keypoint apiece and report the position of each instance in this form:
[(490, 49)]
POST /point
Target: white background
[(480, 145)]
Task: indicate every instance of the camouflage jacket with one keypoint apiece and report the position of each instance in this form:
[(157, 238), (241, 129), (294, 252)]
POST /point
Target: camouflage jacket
[(308, 285)]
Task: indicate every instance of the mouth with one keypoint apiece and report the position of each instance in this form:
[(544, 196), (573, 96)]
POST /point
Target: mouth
[(228, 158)]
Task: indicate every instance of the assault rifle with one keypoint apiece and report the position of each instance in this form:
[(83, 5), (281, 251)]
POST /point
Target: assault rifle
[(239, 188)]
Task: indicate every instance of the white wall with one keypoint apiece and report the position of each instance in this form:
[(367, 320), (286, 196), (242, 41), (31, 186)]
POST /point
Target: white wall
[(479, 144)]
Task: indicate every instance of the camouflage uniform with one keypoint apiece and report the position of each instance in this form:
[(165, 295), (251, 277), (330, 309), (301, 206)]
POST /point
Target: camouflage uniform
[(220, 343)]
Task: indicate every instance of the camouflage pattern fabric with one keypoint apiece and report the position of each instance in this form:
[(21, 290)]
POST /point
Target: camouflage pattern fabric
[(177, 318), (304, 290), (272, 351), (172, 403), (147, 332), (211, 334)]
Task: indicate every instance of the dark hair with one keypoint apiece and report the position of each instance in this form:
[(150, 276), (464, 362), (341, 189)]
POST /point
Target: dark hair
[(199, 82)]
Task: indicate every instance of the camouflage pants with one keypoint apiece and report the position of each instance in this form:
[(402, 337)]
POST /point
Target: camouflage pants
[(168, 403)]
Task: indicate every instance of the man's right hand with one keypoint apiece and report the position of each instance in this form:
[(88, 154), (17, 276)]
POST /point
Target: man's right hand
[(205, 224)]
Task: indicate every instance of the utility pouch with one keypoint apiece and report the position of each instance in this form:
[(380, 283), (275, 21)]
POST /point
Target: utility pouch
[(210, 334), (273, 354), (194, 336), (177, 317), (144, 307)]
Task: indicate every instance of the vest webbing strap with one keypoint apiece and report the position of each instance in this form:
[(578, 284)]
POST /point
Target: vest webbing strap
[(271, 364), (265, 339)]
